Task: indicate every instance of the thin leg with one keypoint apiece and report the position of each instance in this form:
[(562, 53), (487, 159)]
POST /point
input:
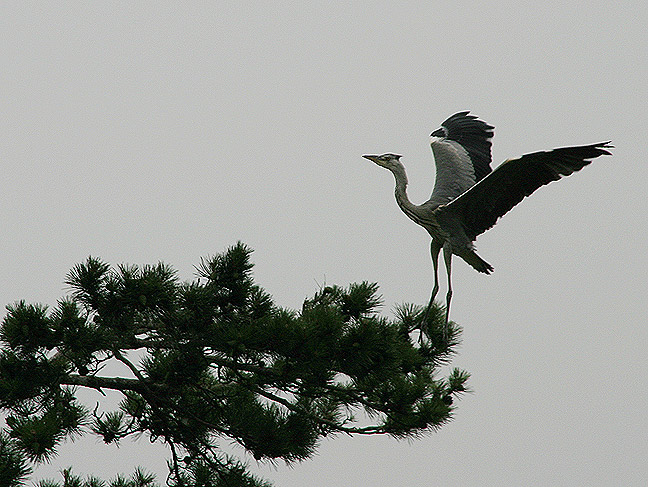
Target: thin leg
[(447, 256), (435, 249)]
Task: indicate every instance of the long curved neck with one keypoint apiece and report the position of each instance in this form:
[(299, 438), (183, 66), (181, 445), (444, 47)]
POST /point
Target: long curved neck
[(400, 192)]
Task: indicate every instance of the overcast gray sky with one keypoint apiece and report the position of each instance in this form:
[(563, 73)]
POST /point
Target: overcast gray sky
[(146, 131)]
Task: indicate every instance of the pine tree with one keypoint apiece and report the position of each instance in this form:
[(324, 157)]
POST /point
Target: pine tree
[(215, 359)]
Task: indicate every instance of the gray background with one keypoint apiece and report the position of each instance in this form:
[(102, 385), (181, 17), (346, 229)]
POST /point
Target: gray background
[(146, 131)]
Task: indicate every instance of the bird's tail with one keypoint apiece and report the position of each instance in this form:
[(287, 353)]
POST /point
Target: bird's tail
[(477, 262)]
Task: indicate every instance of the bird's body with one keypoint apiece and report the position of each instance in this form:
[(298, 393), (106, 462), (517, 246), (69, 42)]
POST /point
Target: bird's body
[(468, 196)]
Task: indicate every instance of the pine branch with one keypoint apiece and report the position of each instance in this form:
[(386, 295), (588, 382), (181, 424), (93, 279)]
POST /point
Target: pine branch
[(119, 356), (115, 383), (369, 430)]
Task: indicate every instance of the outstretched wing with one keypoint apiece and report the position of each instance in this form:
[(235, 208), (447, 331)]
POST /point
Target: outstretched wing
[(462, 154), (482, 205)]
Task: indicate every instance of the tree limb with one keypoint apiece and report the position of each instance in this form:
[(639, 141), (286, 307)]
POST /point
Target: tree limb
[(96, 382)]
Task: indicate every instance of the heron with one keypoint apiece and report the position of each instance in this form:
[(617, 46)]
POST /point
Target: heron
[(468, 196)]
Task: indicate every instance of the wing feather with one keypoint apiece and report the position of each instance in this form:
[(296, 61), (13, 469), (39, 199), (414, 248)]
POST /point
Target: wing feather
[(474, 136), (462, 155), (482, 205)]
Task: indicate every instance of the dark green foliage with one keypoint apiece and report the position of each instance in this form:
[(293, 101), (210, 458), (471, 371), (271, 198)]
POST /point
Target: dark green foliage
[(111, 427), (25, 378), (26, 328), (38, 425), (224, 472), (138, 479), (13, 465), (215, 359)]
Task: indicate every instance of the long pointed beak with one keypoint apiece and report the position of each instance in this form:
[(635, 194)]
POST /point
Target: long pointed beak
[(371, 158)]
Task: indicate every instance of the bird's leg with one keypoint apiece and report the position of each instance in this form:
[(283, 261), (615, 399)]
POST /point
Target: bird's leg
[(447, 256), (435, 248)]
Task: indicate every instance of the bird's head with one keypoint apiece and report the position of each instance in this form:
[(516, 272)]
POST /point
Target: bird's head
[(386, 160)]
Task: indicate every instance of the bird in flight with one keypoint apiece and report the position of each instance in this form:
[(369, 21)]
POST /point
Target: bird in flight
[(468, 196)]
